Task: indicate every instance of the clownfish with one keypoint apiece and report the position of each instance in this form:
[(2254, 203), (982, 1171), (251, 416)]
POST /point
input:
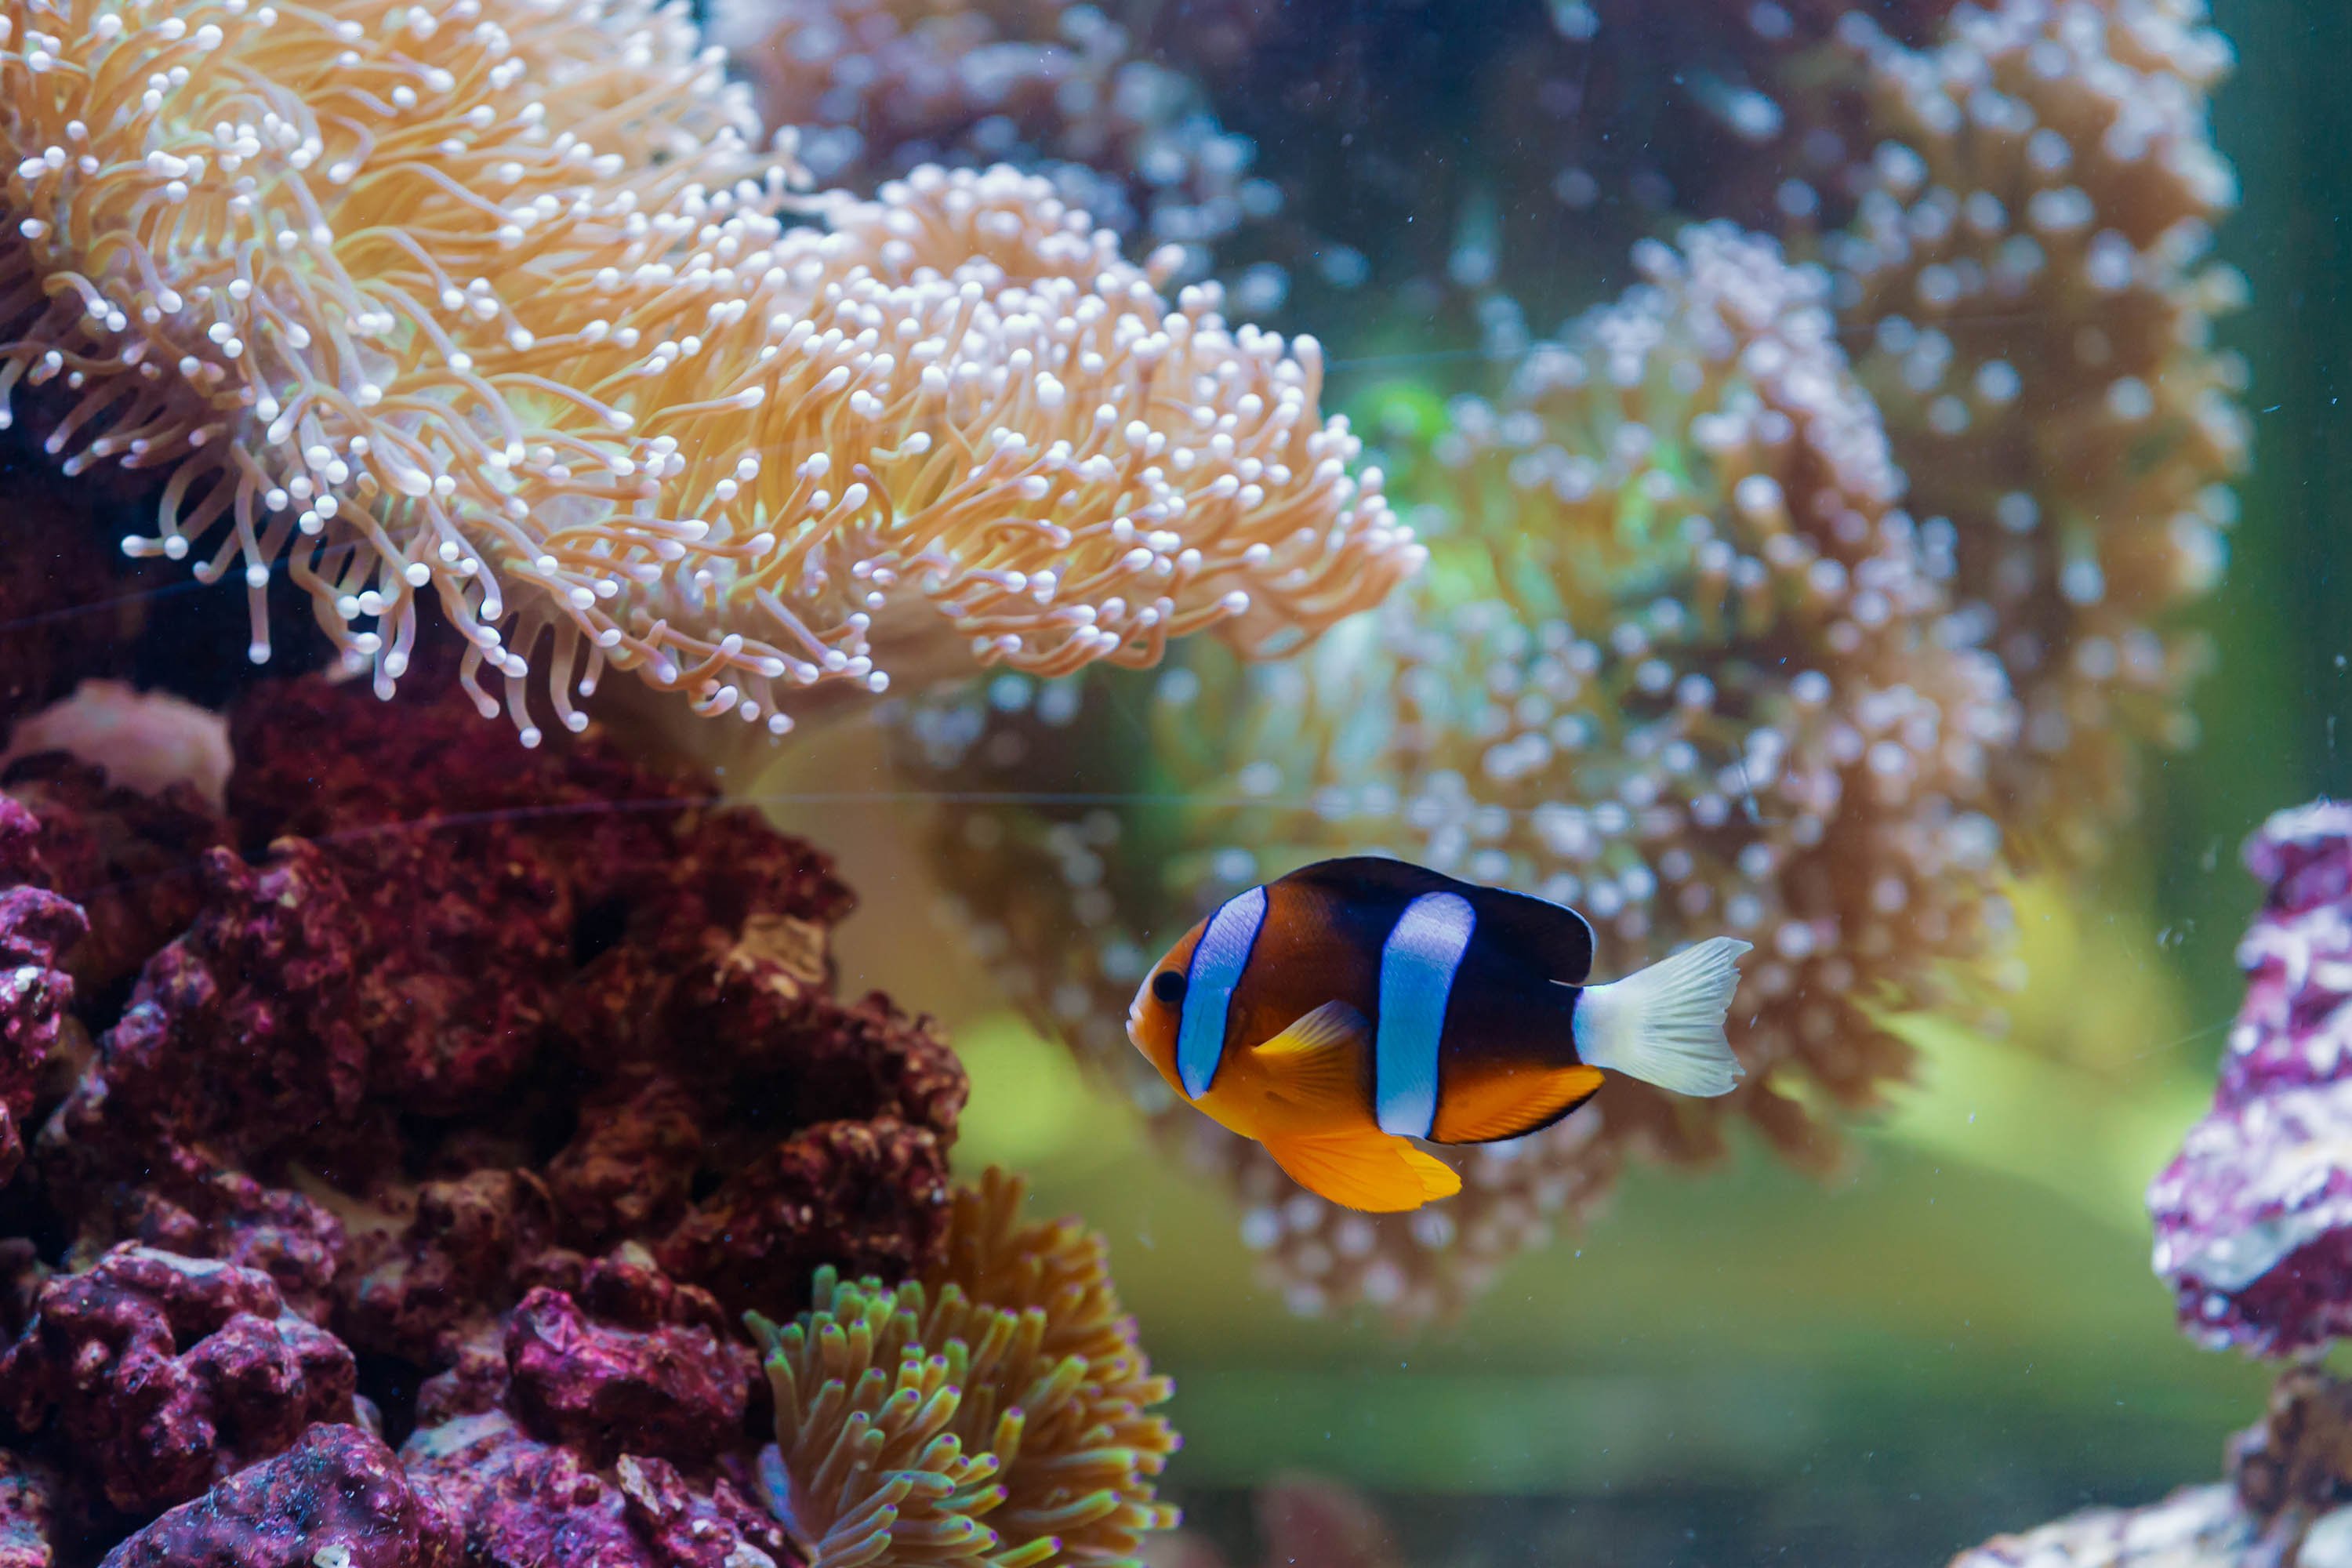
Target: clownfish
[(1335, 1013)]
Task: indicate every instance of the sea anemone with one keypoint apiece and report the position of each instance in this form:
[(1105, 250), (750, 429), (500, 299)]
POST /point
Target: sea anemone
[(875, 88), (1679, 659), (619, 413), (993, 1412), (2029, 284)]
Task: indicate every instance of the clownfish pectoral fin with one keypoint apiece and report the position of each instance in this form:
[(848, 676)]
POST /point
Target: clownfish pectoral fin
[(1370, 1171), (1317, 1061)]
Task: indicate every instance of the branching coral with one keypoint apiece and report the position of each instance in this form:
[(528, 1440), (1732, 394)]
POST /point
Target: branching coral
[(619, 414), (1679, 660), (2029, 262), (994, 1411)]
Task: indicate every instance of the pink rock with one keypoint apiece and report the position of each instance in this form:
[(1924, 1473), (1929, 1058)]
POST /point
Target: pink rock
[(2254, 1217), (167, 1374), (29, 1512), (337, 1496), (36, 928), (516, 1502), (664, 1389)]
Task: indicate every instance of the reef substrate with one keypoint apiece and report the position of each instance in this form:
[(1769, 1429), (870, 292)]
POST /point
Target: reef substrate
[(392, 1150)]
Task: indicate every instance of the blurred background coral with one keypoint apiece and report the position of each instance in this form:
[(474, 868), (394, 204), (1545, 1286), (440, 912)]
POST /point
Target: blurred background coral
[(1954, 1334)]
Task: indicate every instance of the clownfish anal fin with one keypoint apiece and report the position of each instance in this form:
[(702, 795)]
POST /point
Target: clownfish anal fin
[(1318, 1061), (1510, 1105), (1370, 1171)]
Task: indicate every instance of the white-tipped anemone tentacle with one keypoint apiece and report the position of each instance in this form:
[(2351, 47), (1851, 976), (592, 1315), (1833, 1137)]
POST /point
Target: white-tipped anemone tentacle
[(615, 412)]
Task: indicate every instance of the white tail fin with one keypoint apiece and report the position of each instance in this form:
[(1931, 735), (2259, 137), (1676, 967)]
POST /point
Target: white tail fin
[(1664, 1025)]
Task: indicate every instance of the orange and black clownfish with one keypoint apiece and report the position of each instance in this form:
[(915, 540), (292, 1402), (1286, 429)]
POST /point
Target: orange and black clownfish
[(1337, 1012)]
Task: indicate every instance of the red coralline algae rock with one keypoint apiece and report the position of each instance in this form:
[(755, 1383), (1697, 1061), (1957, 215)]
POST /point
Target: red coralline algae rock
[(29, 1512), (467, 1246), (230, 1216), (331, 763), (166, 1374), (630, 1165), (131, 860), (869, 1197), (240, 1041), (516, 1502), (472, 1081), (337, 1497), (2253, 1218), (35, 927), (666, 1389)]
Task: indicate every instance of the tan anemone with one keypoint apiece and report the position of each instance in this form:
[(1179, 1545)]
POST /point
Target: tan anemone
[(492, 301), (2030, 284)]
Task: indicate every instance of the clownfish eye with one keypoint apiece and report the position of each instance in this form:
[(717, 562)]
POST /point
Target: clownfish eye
[(1168, 986)]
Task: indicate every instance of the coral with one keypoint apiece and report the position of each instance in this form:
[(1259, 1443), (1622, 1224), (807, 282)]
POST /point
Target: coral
[(515, 1502), (166, 1374), (2254, 1217), (29, 1513), (2251, 1238), (35, 927), (335, 1497), (467, 1249), (2197, 1526), (664, 1388), (262, 1204), (130, 859), (1679, 660), (874, 1193), (653, 427), (995, 1410), (2028, 269), (875, 88)]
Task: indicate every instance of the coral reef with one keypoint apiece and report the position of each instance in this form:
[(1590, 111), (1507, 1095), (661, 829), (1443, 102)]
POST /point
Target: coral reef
[(2030, 267), (478, 1094), (877, 88), (36, 927), (166, 1374), (995, 1410), (334, 1496), (623, 410), (1679, 660), (2253, 1218)]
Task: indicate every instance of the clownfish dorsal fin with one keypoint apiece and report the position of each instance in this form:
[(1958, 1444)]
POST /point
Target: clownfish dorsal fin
[(1316, 1061), (1370, 1171), (1553, 937)]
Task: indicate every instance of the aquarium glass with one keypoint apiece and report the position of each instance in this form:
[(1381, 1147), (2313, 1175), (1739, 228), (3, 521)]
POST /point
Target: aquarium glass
[(1058, 784)]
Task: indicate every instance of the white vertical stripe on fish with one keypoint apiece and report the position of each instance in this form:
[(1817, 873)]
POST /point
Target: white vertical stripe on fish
[(1417, 965), (1218, 962)]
